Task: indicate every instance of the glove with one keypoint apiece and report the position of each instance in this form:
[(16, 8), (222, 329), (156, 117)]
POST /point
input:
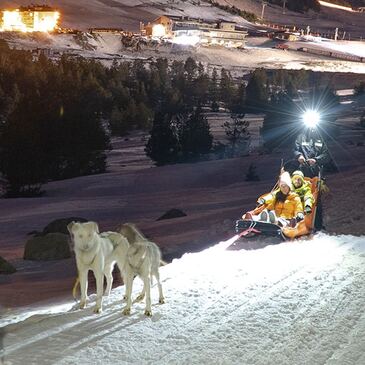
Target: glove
[(260, 201), (307, 209), (299, 217), (301, 159)]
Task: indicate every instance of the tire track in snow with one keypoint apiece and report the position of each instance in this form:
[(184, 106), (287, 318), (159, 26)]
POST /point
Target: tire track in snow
[(267, 293), (307, 326), (256, 302), (265, 308)]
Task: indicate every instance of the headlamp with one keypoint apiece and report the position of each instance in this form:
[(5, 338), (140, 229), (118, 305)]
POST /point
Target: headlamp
[(311, 118)]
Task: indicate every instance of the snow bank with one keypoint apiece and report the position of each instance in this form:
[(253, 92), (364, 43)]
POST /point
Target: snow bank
[(296, 303), (352, 48)]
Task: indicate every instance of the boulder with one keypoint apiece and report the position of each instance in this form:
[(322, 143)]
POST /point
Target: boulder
[(52, 246), (172, 213), (60, 225), (6, 267)]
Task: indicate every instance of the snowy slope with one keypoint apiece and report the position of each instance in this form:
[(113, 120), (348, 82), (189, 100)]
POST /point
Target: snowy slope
[(294, 303), (323, 22), (127, 14)]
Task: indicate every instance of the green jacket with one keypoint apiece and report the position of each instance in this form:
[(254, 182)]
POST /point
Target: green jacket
[(305, 194)]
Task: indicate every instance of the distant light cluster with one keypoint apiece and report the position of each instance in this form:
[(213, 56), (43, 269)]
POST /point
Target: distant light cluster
[(30, 19)]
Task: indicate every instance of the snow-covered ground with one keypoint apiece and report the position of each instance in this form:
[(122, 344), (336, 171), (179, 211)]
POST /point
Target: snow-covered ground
[(259, 52), (127, 14), (295, 303), (355, 48)]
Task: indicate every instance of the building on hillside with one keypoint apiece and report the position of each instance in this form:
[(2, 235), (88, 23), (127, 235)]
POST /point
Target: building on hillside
[(187, 30), (286, 36), (35, 18), (107, 30)]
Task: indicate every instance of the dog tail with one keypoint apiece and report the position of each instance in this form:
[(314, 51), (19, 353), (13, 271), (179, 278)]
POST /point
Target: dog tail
[(74, 289)]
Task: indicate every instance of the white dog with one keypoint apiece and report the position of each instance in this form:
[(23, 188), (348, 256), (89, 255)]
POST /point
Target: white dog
[(143, 259), (99, 253)]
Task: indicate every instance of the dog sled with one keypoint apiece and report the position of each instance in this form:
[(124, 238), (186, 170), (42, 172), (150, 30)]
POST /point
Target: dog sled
[(251, 230)]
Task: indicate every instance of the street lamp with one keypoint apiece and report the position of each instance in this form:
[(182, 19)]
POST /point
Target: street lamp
[(264, 3)]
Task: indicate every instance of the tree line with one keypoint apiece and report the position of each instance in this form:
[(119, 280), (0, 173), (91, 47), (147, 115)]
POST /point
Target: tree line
[(300, 6), (57, 117)]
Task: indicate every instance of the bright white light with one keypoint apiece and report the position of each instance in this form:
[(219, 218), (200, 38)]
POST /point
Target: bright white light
[(42, 21), (187, 40), (311, 118), (12, 21), (341, 7), (46, 21), (158, 30)]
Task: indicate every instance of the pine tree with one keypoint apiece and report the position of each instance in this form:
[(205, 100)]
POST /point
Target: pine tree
[(191, 69), (256, 91), (118, 124), (163, 145), (201, 88), (143, 117), (238, 104), (325, 100), (280, 126), (238, 135), (195, 136), (360, 88), (213, 86), (226, 88)]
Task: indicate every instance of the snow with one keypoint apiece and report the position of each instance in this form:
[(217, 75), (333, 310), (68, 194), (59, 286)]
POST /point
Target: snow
[(350, 47), (127, 14), (257, 53), (299, 302)]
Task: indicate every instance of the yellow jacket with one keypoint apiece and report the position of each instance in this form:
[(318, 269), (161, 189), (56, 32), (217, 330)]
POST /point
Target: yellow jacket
[(287, 209)]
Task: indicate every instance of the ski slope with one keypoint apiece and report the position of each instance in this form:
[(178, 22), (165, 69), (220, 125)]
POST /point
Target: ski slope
[(294, 303)]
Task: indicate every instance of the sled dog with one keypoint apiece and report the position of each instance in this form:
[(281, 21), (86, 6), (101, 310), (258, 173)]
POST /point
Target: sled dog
[(99, 253), (143, 259)]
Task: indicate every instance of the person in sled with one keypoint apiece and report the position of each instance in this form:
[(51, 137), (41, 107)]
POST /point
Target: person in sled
[(311, 152), (283, 206), (304, 190)]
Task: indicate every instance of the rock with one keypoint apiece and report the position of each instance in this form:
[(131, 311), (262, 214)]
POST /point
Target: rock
[(172, 213), (6, 267), (52, 246), (60, 225)]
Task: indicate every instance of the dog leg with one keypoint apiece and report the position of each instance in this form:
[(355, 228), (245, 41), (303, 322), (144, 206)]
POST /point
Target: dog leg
[(99, 291), (128, 293), (140, 296), (161, 299), (109, 279), (83, 287), (121, 265), (147, 287)]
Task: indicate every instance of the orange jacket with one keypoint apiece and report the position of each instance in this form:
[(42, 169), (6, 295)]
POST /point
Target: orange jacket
[(287, 209)]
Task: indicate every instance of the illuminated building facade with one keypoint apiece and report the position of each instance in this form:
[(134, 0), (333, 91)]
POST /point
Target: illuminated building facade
[(185, 30), (30, 19)]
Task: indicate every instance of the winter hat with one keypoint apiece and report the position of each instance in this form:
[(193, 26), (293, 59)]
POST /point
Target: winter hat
[(297, 174), (285, 179)]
